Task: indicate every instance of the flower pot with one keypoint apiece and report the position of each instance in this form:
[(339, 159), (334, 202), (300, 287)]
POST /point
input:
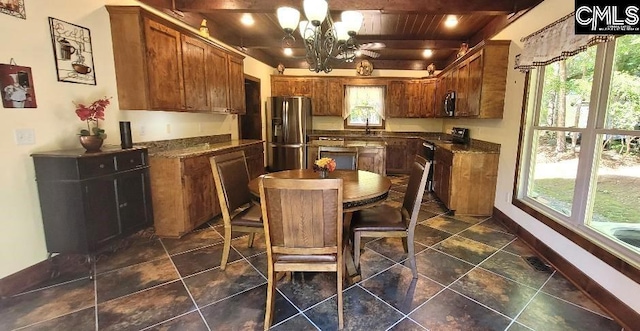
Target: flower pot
[(324, 173), (91, 143)]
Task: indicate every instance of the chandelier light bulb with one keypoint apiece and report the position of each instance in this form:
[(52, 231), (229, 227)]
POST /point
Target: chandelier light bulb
[(288, 18), (341, 31), (287, 51), (315, 10), (352, 20)]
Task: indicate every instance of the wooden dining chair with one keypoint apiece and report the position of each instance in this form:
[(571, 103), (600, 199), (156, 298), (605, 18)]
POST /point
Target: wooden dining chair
[(239, 213), (346, 157), (303, 229), (386, 221)]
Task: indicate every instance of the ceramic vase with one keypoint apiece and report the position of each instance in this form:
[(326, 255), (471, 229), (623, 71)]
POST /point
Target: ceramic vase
[(324, 173)]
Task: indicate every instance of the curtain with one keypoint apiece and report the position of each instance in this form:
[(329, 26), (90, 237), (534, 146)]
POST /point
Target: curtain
[(374, 95), (555, 42)]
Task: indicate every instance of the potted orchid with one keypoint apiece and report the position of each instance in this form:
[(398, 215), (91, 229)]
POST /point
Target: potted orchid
[(93, 136)]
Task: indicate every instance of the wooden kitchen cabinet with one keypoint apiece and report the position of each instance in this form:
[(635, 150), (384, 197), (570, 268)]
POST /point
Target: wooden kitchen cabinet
[(236, 85), (395, 93), (196, 84), (429, 98), (162, 66), (327, 97), (466, 182), (479, 79), (372, 159), (89, 199), (185, 192), (396, 155), (291, 86)]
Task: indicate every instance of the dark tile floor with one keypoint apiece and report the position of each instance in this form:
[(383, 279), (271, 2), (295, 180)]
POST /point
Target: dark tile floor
[(472, 277)]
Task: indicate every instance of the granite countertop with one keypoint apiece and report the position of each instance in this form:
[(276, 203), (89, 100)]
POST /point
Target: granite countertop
[(441, 140), (203, 148), (354, 143)]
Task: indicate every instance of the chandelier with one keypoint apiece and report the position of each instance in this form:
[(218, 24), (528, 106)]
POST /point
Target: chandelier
[(336, 44)]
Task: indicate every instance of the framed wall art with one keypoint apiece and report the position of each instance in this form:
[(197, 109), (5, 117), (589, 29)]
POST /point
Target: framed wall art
[(16, 86), (72, 52), (13, 8)]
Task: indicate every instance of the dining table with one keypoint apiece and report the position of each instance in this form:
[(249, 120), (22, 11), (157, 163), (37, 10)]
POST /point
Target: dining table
[(360, 189)]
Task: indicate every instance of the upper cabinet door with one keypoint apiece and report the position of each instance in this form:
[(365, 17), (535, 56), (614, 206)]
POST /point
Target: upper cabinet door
[(218, 77), (414, 99), (194, 59), (335, 97), (396, 95), (462, 92), (319, 107), (429, 98), (164, 66), (236, 85), (475, 84)]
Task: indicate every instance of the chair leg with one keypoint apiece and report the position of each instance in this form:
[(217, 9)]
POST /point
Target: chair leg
[(271, 292), (356, 249), (404, 245), (340, 277), (227, 247), (412, 254), (251, 236)]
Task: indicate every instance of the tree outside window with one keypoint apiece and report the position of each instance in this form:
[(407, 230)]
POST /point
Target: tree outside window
[(364, 106)]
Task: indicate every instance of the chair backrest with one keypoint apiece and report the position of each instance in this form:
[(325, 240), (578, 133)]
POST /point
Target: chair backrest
[(415, 190), (302, 216), (346, 157), (231, 177)]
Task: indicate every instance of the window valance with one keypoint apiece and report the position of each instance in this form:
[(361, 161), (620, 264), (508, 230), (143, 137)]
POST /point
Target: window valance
[(555, 42)]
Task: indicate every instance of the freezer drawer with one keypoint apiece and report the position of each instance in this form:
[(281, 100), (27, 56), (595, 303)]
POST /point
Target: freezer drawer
[(287, 157)]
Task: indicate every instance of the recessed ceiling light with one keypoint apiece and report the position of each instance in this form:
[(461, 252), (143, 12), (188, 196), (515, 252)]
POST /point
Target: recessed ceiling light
[(427, 53), (288, 51), (247, 19), (451, 21)]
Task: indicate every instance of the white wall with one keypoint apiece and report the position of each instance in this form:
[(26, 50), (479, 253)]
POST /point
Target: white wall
[(506, 131), (55, 124)]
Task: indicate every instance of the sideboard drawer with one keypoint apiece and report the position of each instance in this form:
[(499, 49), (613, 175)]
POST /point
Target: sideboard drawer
[(96, 166), (130, 160)]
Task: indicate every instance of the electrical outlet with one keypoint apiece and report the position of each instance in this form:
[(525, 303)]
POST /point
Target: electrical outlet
[(200, 128), (142, 130), (25, 136), (168, 128)]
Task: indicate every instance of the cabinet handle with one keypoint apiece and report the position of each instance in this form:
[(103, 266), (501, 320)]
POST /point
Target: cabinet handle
[(131, 161), (101, 166), (122, 205)]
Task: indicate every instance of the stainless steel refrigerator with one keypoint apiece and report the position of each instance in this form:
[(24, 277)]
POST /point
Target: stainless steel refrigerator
[(288, 124)]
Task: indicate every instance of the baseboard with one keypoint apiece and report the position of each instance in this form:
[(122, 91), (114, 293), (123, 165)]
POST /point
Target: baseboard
[(617, 309), (26, 278)]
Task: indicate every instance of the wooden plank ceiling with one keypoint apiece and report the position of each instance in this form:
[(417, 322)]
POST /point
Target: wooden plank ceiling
[(405, 27)]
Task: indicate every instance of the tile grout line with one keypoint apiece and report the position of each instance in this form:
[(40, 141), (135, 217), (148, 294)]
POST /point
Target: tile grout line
[(186, 287), (528, 303)]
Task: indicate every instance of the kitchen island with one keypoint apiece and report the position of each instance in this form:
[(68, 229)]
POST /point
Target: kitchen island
[(371, 154)]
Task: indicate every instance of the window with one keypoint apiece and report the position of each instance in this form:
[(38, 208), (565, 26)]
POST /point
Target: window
[(580, 161), (364, 106)]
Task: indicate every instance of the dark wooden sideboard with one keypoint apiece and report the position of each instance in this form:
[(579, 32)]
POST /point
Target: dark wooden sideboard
[(88, 199)]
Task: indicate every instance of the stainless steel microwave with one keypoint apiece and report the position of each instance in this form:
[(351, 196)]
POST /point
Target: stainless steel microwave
[(450, 103)]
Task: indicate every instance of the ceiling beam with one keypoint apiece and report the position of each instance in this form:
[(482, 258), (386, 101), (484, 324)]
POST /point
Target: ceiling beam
[(486, 7), (390, 44), (377, 64)]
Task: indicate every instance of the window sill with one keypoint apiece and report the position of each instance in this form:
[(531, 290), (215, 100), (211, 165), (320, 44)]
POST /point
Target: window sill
[(587, 242)]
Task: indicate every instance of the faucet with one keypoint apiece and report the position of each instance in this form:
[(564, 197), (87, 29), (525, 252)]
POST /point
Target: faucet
[(367, 130)]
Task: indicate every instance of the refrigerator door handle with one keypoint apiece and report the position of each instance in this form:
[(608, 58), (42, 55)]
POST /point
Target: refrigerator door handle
[(285, 120)]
